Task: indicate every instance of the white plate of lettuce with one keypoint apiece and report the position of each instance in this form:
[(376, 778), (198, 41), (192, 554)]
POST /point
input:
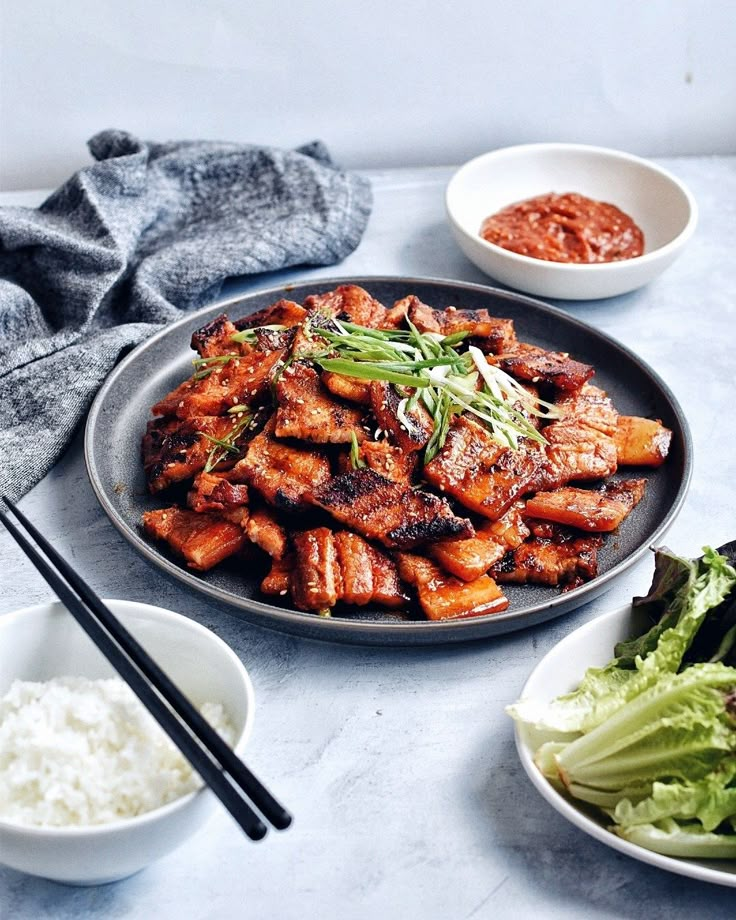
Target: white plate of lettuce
[(628, 726)]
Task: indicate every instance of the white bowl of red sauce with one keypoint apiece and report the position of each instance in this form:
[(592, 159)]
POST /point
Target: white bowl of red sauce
[(569, 221)]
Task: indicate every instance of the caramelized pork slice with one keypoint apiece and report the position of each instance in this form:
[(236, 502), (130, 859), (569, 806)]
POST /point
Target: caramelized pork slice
[(396, 316), (528, 362), (478, 472), (591, 406), (443, 597), (641, 441), (264, 530), (493, 334), (348, 302), (388, 590), (176, 450), (559, 558), (316, 580), (594, 511), (282, 313), (241, 380), (384, 458), (214, 492), (327, 567), (214, 339), (367, 574), (424, 317), (274, 339), (280, 471), (389, 512), (574, 452), (203, 540), (355, 566), (306, 410), (471, 557), (350, 388), (276, 582), (409, 429)]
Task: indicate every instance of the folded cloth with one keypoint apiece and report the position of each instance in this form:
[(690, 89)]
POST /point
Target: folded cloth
[(125, 246)]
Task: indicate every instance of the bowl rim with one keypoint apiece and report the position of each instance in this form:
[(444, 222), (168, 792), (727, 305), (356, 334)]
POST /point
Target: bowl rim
[(154, 814), (572, 268)]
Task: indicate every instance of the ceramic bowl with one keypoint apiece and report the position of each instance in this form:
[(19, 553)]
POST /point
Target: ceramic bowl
[(657, 201), (38, 643)]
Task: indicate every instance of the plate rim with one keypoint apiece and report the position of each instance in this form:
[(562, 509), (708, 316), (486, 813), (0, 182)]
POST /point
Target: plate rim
[(457, 630), (569, 811)]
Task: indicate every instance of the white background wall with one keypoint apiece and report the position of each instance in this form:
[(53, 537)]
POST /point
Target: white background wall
[(389, 82)]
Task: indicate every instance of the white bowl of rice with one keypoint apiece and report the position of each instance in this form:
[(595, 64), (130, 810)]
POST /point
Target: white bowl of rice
[(91, 789)]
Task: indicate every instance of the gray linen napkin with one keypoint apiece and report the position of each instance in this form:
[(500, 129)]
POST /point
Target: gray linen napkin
[(127, 244)]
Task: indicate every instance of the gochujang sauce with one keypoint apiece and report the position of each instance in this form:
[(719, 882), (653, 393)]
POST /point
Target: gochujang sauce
[(565, 228)]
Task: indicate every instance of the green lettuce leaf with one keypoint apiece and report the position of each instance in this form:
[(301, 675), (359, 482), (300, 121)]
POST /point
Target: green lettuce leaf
[(681, 728), (673, 579), (686, 840), (711, 800), (690, 589)]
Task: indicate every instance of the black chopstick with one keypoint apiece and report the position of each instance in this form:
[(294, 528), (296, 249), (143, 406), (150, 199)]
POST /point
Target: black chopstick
[(207, 752)]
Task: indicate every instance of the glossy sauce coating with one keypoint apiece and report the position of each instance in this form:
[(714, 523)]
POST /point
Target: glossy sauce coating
[(565, 228)]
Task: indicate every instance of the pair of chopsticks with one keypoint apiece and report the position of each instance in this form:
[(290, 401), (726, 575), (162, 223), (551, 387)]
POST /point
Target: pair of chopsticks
[(226, 775)]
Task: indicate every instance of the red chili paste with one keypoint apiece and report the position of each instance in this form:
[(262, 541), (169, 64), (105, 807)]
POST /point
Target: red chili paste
[(565, 228)]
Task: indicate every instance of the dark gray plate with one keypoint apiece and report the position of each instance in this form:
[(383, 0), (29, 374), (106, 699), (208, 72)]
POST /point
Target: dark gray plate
[(119, 414)]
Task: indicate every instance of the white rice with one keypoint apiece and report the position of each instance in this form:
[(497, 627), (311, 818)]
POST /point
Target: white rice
[(75, 751)]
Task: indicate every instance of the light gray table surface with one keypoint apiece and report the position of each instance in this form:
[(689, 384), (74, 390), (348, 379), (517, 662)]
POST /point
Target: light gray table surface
[(399, 764)]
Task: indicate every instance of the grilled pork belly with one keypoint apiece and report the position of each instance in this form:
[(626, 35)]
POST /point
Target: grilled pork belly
[(493, 335), (348, 302), (243, 380), (264, 530), (409, 435), (277, 580), (214, 492), (282, 472), (328, 567), (595, 511), (443, 597), (203, 540), (350, 388), (591, 406), (388, 591), (384, 458), (478, 472), (274, 339), (316, 581), (472, 557), (282, 313), (176, 450), (530, 363), (213, 339), (574, 452), (641, 441), (306, 410), (549, 538), (553, 556), (368, 576), (391, 513), (396, 316)]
